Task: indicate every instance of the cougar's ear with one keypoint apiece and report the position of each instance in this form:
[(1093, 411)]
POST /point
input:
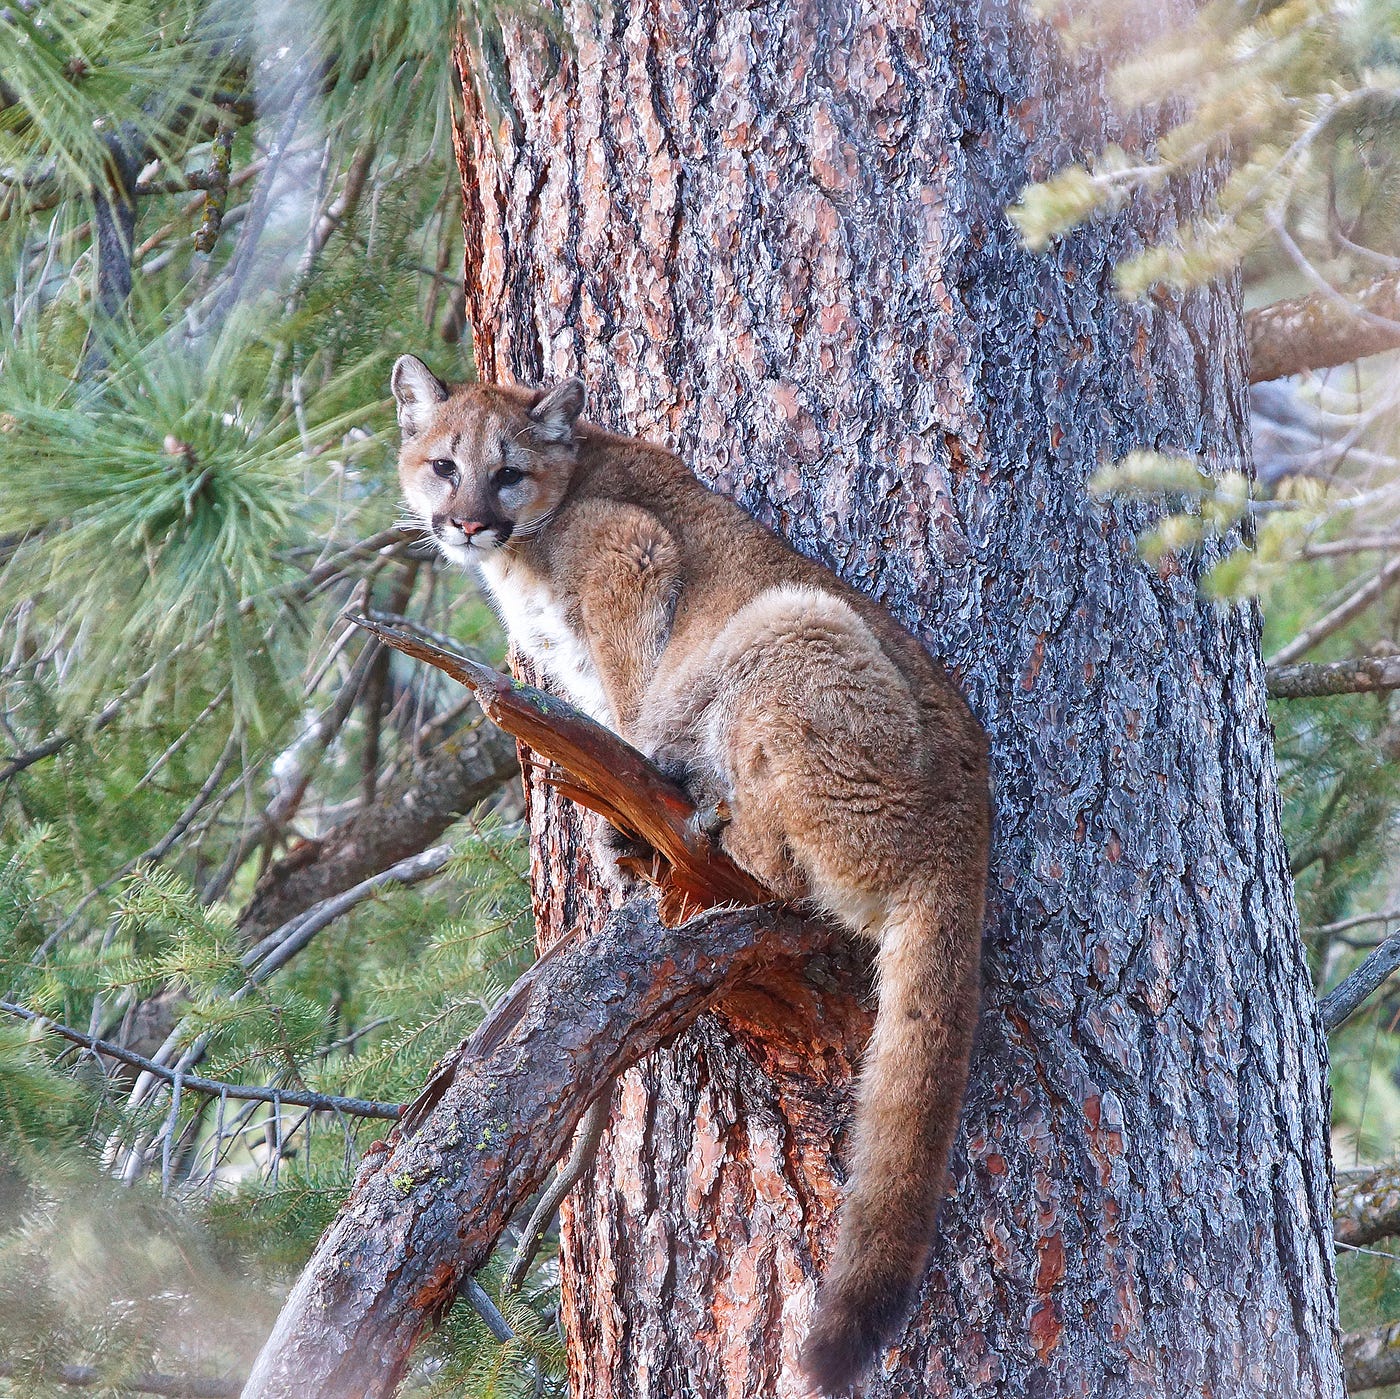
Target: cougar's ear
[(417, 391), (554, 416)]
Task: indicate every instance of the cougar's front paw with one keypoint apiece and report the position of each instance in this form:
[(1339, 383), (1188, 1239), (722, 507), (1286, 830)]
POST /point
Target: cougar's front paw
[(709, 792)]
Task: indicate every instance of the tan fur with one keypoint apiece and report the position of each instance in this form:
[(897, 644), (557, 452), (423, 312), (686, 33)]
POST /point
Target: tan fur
[(852, 773)]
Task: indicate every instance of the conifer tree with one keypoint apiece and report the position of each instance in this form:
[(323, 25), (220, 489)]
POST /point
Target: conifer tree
[(257, 873)]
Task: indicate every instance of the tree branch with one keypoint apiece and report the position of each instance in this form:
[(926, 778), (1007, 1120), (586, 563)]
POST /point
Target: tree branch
[(1345, 611), (267, 957), (1359, 675), (1358, 920), (425, 1211), (1346, 998), (1371, 1358), (598, 770), (300, 590), (1367, 1206), (581, 1156), (1318, 331), (407, 816), (90, 1377), (294, 1097)]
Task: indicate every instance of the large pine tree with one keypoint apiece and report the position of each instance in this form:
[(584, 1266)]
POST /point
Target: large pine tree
[(778, 240)]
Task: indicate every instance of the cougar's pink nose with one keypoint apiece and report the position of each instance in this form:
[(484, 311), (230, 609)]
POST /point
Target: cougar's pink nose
[(469, 527)]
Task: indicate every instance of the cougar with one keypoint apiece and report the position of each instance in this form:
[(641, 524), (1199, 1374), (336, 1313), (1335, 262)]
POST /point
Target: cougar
[(837, 762)]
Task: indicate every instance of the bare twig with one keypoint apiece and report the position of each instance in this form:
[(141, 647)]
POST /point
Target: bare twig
[(154, 854), (279, 947), (1350, 607), (406, 816), (58, 742), (1360, 920), (1360, 544), (581, 1156), (321, 1102), (298, 590), (275, 951)]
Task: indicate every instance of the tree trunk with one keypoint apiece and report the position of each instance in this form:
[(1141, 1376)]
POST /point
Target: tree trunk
[(774, 238)]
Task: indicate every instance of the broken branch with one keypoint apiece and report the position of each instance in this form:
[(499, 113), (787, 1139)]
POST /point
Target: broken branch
[(428, 1205), (598, 770)]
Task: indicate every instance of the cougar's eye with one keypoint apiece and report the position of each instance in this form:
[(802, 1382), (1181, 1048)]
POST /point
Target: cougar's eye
[(507, 476), (444, 467)]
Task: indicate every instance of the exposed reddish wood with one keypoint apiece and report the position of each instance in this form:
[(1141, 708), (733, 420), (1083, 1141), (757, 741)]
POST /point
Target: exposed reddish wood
[(598, 770)]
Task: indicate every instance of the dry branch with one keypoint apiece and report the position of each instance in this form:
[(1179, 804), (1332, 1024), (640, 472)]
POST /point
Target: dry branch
[(404, 819), (1348, 996), (1345, 611), (427, 1206), (1320, 330), (1359, 920), (597, 769)]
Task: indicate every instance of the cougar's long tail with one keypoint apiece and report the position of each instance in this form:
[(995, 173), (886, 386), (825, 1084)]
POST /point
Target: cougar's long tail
[(908, 1105)]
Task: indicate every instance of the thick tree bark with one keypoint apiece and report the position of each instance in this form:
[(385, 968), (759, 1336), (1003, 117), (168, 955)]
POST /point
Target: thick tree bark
[(775, 239)]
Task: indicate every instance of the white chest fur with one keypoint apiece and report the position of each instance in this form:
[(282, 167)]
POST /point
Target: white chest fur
[(535, 621)]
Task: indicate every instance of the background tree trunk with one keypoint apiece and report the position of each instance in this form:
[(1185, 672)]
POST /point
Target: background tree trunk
[(775, 239)]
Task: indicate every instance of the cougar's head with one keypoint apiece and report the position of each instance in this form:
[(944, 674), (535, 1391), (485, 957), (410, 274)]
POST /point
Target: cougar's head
[(483, 465)]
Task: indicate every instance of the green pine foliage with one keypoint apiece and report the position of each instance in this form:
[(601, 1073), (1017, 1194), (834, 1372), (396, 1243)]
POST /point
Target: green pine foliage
[(198, 479), (1301, 96)]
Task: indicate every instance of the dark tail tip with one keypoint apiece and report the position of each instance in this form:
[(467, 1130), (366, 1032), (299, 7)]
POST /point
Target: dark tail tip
[(833, 1357), (847, 1335)]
